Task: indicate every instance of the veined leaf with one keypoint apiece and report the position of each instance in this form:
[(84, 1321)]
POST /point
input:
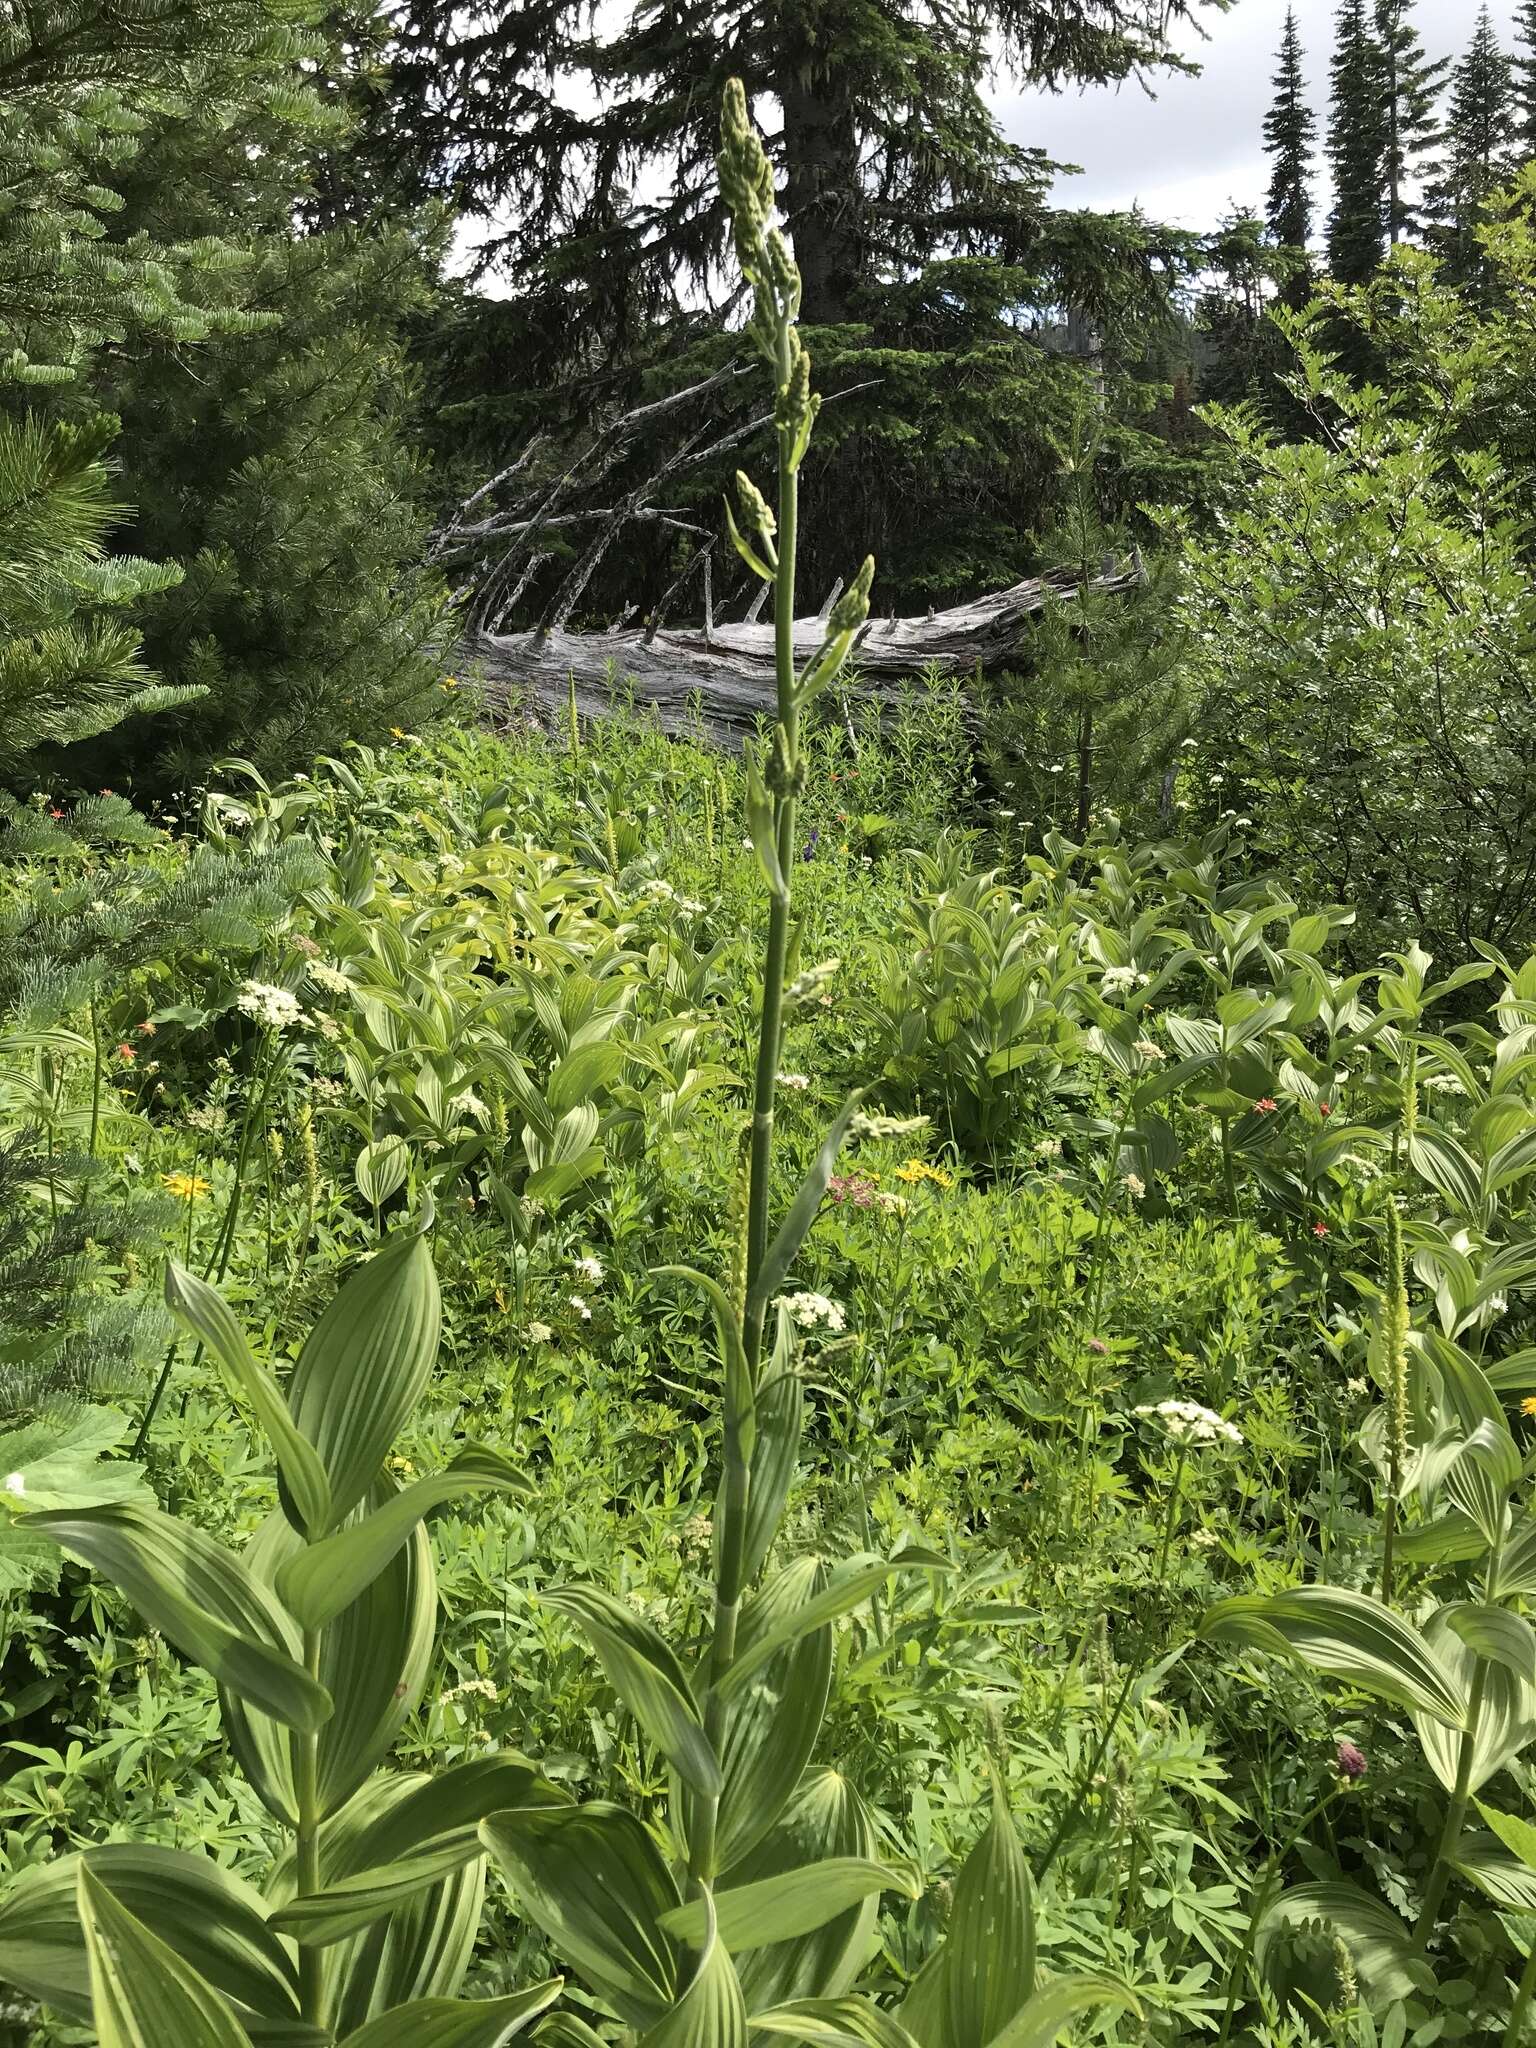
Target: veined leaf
[(1508, 1880), (785, 1248), (365, 1367), (594, 1883), (738, 1379), (794, 1902), (711, 2013), (1506, 1719), (834, 2023), (202, 1598), (779, 1415), (209, 1317), (1048, 2011), (316, 1919), (457, 2022), (214, 1920), (848, 1585), (825, 1821), (1518, 1836), (1496, 1633), (142, 1994), (646, 1675), (1348, 1636), (989, 1941), (381, 1169), (320, 1580), (771, 1726)]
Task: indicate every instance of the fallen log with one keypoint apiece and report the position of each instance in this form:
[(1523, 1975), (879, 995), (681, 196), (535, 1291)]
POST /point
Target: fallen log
[(721, 676)]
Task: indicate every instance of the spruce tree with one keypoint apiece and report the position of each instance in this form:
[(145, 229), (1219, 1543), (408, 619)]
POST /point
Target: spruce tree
[(1481, 148), (1290, 128), (1523, 67), (1411, 86), (1357, 146), (77, 83)]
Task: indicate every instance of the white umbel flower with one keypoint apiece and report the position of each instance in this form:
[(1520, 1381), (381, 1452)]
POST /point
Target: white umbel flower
[(816, 1311), (1188, 1422)]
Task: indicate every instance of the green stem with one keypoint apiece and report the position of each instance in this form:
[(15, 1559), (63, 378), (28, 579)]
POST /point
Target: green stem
[(95, 1078), (1168, 1519), (1455, 1813), (306, 1794), (1261, 1897), (1523, 1994)]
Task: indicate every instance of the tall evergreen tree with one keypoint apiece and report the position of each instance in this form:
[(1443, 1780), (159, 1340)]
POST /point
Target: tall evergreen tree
[(1481, 149), (1290, 128), (1523, 67), (1411, 85), (78, 82), (1357, 146)]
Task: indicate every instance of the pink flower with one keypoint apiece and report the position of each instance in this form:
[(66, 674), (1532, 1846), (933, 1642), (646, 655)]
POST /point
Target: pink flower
[(1351, 1761), (1264, 1105), (126, 1052), (1319, 1230), (1325, 1109), (1097, 1345)]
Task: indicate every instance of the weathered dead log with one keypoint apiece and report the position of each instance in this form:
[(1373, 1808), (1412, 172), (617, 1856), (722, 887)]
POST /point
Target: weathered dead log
[(722, 676)]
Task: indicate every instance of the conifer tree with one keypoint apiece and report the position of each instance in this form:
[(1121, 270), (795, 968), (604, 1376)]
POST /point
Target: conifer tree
[(1481, 149), (1523, 67), (1411, 85), (77, 82), (1357, 145), (1290, 128)]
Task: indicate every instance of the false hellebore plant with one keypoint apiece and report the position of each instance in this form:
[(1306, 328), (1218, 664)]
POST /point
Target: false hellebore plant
[(752, 1909)]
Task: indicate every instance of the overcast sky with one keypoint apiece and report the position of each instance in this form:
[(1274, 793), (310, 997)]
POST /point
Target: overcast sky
[(1197, 148)]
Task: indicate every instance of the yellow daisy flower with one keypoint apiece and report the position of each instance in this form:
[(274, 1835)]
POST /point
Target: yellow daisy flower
[(186, 1187)]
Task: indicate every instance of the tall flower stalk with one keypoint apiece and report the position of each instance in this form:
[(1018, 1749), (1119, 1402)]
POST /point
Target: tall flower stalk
[(1394, 1360), (776, 773)]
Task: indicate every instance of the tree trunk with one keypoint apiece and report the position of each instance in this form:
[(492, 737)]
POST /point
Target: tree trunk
[(822, 197), (724, 677)]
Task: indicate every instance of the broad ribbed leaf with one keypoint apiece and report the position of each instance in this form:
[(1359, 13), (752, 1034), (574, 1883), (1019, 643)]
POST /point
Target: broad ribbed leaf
[(780, 1409), (1348, 1636), (1496, 1633), (142, 1994), (1507, 1880), (320, 1580), (826, 1820), (1506, 1719), (848, 1585), (594, 1883), (317, 1919), (1379, 1943), (374, 1660), (365, 1367), (989, 1939), (381, 1169), (646, 1675), (711, 2013), (1049, 2011), (457, 2022), (201, 1598), (209, 1317), (213, 1920), (740, 1404), (794, 1902), (835, 2023), (792, 1232), (772, 1724)]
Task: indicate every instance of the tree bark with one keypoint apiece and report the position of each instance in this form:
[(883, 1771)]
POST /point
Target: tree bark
[(724, 678), (821, 176)]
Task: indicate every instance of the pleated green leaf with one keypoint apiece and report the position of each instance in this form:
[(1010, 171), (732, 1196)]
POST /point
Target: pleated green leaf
[(835, 2023), (1051, 2009), (1496, 1633), (365, 1367), (711, 2013), (738, 1379), (1518, 1836), (457, 2022), (209, 1317), (1508, 1880), (215, 1922), (320, 1580), (794, 1902), (779, 1415), (316, 1919), (989, 1940), (1506, 1720), (792, 1232), (202, 1598), (772, 1724), (1348, 1636), (374, 1659), (142, 1994), (848, 1585), (644, 1672), (595, 1884), (825, 1821)]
